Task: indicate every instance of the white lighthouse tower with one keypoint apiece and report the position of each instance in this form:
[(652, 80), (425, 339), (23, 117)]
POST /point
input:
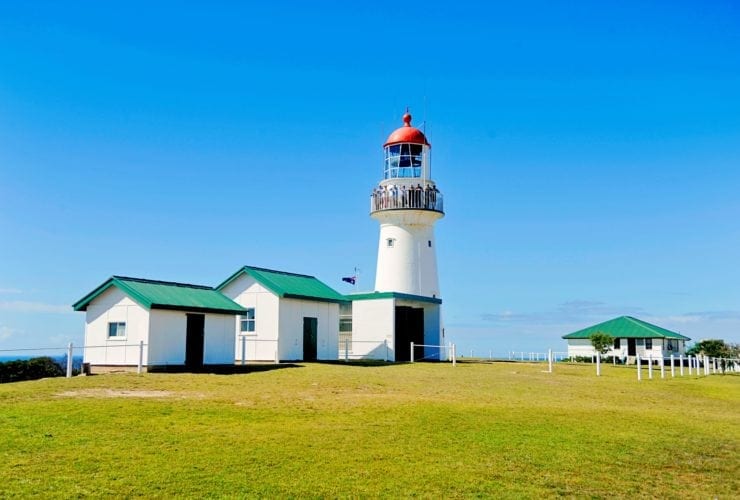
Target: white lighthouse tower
[(407, 203)]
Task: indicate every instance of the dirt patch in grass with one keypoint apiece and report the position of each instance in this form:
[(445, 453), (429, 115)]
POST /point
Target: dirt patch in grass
[(111, 393)]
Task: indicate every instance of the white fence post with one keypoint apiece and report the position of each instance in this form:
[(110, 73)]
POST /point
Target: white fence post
[(141, 357), (412, 352), (680, 364), (650, 367), (346, 350), (490, 355), (688, 358), (69, 360), (549, 360), (598, 365), (471, 353), (639, 367), (662, 367), (706, 365), (454, 355), (673, 367)]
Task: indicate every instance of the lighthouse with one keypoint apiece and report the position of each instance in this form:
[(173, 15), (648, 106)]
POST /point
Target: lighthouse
[(407, 203), (401, 319)]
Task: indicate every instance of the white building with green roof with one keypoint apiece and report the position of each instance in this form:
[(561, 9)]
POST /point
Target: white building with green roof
[(180, 325), (287, 316), (632, 337)]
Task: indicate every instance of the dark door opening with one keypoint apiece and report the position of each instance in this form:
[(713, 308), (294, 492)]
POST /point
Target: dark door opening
[(409, 328), (631, 349), (310, 327), (194, 338)]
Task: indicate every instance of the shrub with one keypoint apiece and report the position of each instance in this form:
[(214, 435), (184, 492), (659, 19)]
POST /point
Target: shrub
[(31, 369)]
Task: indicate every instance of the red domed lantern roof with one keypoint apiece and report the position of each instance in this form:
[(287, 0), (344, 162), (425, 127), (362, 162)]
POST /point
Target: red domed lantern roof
[(407, 134)]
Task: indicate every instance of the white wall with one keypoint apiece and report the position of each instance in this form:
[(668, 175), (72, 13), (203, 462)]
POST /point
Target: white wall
[(262, 344), (167, 337), (373, 321), (114, 306), (292, 312), (219, 339), (410, 265)]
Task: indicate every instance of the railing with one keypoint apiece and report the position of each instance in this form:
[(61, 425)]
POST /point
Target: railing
[(406, 198)]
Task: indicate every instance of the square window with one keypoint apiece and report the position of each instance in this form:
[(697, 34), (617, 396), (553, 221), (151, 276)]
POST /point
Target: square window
[(429, 243), (117, 330), (390, 242), (247, 321), (648, 343)]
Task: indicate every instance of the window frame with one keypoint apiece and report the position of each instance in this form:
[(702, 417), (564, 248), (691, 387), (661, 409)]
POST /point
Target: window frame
[(244, 319), (118, 325), (648, 344)]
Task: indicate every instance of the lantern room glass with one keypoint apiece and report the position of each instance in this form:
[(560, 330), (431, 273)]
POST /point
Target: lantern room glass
[(403, 160)]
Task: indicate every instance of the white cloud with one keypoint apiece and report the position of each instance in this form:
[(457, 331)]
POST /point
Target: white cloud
[(574, 311), (6, 332), (23, 306)]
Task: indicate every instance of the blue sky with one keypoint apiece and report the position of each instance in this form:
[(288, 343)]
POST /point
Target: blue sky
[(588, 152)]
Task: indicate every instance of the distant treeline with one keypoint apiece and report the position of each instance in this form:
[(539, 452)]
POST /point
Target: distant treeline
[(32, 369)]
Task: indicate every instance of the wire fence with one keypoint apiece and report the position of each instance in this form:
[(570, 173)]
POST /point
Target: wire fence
[(78, 358)]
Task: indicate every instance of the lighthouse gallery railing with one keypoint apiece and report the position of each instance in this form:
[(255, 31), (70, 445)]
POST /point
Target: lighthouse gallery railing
[(394, 198)]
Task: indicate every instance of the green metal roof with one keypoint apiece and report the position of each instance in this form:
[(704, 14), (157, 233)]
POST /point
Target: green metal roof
[(627, 327), (288, 285), (166, 295), (392, 295)]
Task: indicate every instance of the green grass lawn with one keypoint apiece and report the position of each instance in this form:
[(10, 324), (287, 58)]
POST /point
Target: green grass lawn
[(328, 430)]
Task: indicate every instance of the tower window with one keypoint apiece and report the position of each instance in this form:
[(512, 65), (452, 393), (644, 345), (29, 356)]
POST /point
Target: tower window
[(429, 243), (390, 242)]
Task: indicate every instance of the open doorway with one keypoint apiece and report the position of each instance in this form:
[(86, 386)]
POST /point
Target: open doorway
[(194, 341), (310, 327), (409, 328)]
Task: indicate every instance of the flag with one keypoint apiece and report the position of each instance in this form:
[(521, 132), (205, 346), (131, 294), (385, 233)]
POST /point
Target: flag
[(350, 279)]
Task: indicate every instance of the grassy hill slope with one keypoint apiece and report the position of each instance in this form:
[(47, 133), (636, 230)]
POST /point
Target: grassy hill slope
[(498, 429)]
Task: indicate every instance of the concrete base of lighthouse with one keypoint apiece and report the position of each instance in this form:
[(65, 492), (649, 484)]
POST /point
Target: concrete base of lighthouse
[(386, 323)]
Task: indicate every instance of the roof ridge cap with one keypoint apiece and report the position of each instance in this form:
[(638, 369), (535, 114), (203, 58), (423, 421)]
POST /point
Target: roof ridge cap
[(161, 282), (277, 271)]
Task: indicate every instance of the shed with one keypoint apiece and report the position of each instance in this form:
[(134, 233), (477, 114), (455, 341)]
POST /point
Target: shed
[(180, 325), (287, 316)]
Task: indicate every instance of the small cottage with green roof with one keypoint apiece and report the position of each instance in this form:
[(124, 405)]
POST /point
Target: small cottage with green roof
[(632, 337), (180, 325), (287, 316)]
